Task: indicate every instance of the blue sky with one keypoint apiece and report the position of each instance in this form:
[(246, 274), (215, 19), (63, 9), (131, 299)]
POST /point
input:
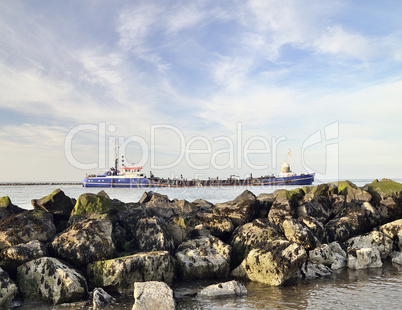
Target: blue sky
[(278, 70)]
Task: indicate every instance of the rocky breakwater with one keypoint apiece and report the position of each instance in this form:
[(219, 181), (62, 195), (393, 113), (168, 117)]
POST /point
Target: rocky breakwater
[(67, 250)]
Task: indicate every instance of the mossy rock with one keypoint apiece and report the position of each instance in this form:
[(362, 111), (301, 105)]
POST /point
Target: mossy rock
[(5, 202), (385, 187), (292, 195)]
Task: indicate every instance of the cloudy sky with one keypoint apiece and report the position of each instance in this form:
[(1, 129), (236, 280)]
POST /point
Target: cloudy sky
[(200, 88)]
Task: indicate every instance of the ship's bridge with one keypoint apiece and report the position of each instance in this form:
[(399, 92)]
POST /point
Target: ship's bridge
[(133, 172)]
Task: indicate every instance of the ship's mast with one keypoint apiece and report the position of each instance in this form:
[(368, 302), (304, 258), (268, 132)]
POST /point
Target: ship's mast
[(116, 154), (290, 160)]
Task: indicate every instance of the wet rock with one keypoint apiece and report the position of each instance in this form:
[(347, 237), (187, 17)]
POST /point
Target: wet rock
[(119, 274), (387, 196), (364, 258), (322, 255), (394, 231), (101, 299), (312, 271), (317, 207), (85, 242), (241, 210), (316, 227), (17, 255), (250, 236), (339, 262), (374, 239), (338, 248), (151, 235), (96, 206), (297, 232), (226, 289), (8, 290), (7, 208), (219, 226), (203, 257), (276, 263), (397, 258), (50, 280), (153, 295), (26, 226), (265, 202), (352, 221)]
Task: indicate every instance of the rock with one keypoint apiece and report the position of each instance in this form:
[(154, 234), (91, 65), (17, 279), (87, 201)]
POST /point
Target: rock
[(203, 257), (316, 227), (219, 226), (312, 271), (26, 226), (284, 205), (7, 208), (226, 289), (276, 263), (351, 192), (119, 274), (241, 210), (179, 228), (317, 207), (50, 280), (297, 232), (55, 203), (339, 262), (374, 239), (397, 258), (353, 220), (364, 258), (394, 231), (151, 235), (85, 242), (101, 299), (153, 295), (322, 255), (265, 202), (203, 206), (96, 206), (318, 191), (8, 290), (19, 254), (250, 236), (338, 248), (387, 196)]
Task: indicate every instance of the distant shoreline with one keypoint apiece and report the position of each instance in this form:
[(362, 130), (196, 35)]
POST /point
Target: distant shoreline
[(38, 183)]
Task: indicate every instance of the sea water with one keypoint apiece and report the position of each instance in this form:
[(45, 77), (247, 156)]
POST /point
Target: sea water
[(377, 288)]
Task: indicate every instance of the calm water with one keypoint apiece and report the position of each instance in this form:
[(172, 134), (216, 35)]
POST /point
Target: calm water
[(379, 288)]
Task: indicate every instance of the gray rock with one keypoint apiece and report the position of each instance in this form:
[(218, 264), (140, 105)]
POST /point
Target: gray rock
[(226, 289), (7, 208), (50, 280), (351, 192), (364, 258), (153, 295), (8, 290), (397, 258), (250, 236), (17, 255), (296, 231), (277, 262), (56, 203), (339, 262), (101, 299), (317, 207), (322, 255), (85, 242), (203, 257), (120, 274), (315, 226), (337, 248), (218, 225), (151, 235), (26, 226), (374, 239), (312, 271)]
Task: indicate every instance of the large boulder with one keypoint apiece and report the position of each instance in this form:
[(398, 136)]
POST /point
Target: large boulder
[(226, 289), (50, 280), (119, 274), (8, 290), (85, 242), (387, 196), (313, 192), (19, 254), (250, 236), (351, 192), (153, 295), (26, 226), (7, 208), (265, 202), (203, 257), (322, 255), (273, 265), (364, 258), (284, 205), (296, 231), (374, 239), (96, 206), (151, 235), (101, 299), (218, 225), (317, 207), (394, 231), (397, 258), (316, 227), (241, 210)]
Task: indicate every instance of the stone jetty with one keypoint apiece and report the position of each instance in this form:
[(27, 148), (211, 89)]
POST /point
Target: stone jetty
[(92, 248)]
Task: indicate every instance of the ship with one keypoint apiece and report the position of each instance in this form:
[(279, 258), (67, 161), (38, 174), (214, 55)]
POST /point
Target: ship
[(132, 176)]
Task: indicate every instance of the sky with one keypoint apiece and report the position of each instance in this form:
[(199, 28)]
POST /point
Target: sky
[(200, 88)]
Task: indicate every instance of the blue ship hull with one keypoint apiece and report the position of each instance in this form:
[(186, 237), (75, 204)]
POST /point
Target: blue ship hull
[(113, 181)]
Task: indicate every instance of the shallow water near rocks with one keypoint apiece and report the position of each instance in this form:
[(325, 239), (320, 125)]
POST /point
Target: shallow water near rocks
[(376, 288)]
